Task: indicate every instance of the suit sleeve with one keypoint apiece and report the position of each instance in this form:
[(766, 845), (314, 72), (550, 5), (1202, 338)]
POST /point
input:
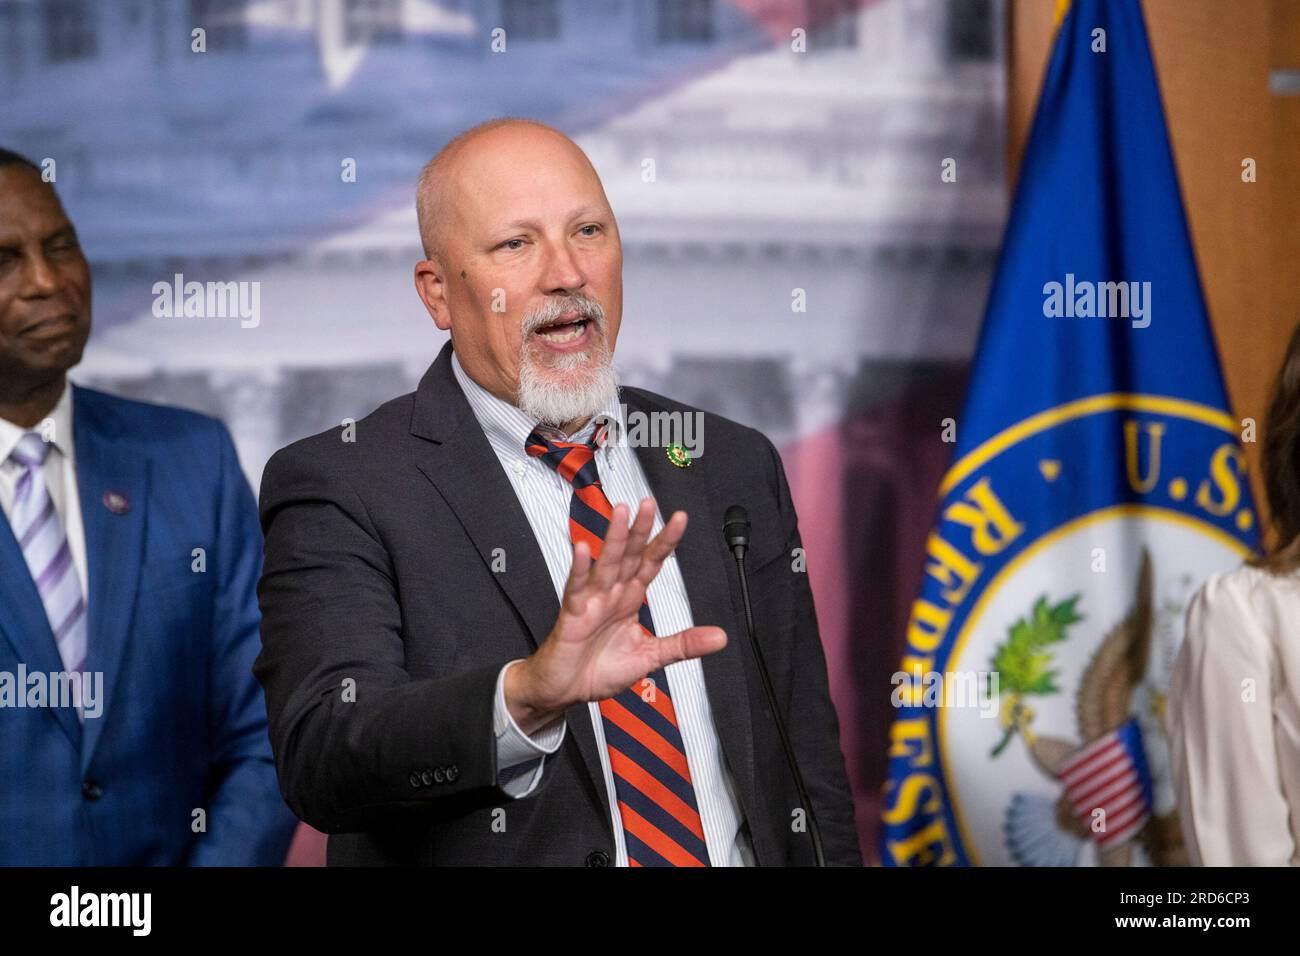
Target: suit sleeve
[(812, 723), (358, 743), (248, 823)]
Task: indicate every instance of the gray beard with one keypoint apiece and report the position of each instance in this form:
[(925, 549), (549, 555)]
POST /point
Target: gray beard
[(577, 397)]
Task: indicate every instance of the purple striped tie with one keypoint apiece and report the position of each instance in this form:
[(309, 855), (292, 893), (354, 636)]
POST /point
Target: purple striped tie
[(40, 534)]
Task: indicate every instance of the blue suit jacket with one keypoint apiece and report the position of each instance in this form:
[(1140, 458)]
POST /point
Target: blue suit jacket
[(183, 725)]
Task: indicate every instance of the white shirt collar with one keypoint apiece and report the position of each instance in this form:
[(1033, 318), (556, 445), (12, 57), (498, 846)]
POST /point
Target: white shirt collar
[(57, 425), (507, 427)]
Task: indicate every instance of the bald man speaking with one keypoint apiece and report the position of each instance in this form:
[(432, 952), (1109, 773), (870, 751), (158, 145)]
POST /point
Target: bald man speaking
[(490, 635)]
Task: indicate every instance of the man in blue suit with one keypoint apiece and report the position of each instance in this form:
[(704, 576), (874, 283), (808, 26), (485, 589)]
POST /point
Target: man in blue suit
[(132, 731)]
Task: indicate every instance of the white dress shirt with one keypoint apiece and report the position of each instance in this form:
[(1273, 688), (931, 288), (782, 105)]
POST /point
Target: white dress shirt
[(59, 471), (1234, 708), (544, 496)]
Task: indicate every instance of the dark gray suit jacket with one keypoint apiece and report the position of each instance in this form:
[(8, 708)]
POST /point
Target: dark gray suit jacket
[(384, 627)]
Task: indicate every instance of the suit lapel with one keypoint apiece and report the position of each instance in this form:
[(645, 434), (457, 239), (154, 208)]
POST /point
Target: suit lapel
[(114, 539), (23, 621), (703, 559), (469, 477), (457, 458)]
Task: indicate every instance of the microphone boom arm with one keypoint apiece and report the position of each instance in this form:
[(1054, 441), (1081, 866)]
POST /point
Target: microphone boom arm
[(736, 531)]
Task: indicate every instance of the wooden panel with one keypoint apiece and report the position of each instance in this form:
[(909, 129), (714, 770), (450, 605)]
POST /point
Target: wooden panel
[(1028, 47)]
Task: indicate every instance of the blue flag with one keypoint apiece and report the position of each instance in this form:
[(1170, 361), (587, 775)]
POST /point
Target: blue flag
[(1096, 481)]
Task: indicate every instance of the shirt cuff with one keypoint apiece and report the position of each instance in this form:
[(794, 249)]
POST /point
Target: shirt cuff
[(520, 758)]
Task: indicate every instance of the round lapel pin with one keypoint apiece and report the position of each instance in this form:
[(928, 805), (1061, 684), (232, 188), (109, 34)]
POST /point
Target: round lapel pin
[(678, 455), (117, 502)]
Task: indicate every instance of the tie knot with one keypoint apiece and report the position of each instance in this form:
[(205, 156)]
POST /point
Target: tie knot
[(31, 450), (575, 461)]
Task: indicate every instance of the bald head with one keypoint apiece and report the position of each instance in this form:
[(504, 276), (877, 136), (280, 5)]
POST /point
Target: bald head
[(512, 141), (523, 265)]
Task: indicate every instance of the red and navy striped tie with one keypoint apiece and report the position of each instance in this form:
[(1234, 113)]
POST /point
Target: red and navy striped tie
[(656, 799)]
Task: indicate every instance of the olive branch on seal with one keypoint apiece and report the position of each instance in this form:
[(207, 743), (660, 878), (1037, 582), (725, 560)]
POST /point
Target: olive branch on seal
[(1023, 662)]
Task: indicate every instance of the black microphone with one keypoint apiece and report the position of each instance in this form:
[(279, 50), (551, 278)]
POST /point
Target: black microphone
[(735, 529)]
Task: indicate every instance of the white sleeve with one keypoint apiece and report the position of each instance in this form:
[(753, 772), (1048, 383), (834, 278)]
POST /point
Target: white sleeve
[(1231, 803), (520, 758)]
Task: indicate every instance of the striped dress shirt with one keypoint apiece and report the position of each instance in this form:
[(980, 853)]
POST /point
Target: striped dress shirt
[(544, 496)]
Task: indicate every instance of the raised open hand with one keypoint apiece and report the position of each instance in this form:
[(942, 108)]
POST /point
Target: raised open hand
[(598, 647)]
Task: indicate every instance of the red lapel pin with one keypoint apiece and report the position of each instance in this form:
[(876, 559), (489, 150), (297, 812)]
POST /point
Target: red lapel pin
[(117, 502)]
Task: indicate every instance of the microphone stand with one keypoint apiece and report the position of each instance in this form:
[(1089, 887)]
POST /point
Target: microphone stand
[(736, 531)]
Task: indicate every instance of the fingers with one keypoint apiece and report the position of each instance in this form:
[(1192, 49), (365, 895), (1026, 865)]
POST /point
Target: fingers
[(579, 573), (637, 537), (658, 550), (609, 564), (627, 554), (690, 643)]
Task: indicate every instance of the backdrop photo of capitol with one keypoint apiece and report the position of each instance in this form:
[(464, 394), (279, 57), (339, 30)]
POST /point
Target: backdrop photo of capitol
[(795, 258)]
